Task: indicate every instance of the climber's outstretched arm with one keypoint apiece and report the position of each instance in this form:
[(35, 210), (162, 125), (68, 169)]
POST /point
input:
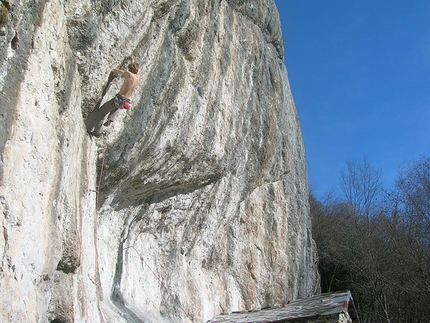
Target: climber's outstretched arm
[(118, 71)]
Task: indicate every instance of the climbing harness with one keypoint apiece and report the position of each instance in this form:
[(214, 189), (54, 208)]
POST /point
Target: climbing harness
[(120, 100)]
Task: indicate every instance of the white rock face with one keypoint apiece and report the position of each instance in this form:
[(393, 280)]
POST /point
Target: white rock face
[(203, 200)]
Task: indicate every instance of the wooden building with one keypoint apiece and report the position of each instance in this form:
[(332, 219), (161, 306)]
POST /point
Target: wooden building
[(337, 307)]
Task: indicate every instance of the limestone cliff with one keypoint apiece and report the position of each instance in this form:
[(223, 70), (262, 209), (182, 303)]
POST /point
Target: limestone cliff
[(193, 203)]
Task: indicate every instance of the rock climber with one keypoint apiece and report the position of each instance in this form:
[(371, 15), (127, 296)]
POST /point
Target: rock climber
[(5, 7), (120, 101)]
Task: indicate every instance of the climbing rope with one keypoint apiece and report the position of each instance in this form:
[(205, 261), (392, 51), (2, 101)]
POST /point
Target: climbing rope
[(101, 175)]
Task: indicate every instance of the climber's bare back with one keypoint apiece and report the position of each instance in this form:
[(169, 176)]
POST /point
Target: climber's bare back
[(130, 82)]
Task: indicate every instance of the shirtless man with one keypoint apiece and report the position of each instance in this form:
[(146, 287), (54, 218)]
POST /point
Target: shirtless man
[(120, 101)]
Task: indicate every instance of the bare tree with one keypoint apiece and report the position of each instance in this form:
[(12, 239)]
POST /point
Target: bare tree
[(361, 185), (413, 207), (383, 257)]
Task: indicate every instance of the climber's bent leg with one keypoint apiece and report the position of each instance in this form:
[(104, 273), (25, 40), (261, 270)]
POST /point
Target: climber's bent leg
[(95, 119)]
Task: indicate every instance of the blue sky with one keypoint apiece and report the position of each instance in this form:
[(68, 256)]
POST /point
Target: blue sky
[(360, 76)]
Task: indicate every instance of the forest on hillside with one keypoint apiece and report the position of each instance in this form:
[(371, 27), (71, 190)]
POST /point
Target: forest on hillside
[(376, 241)]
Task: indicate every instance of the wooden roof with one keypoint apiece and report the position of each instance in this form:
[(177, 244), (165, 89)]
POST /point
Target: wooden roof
[(320, 305)]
